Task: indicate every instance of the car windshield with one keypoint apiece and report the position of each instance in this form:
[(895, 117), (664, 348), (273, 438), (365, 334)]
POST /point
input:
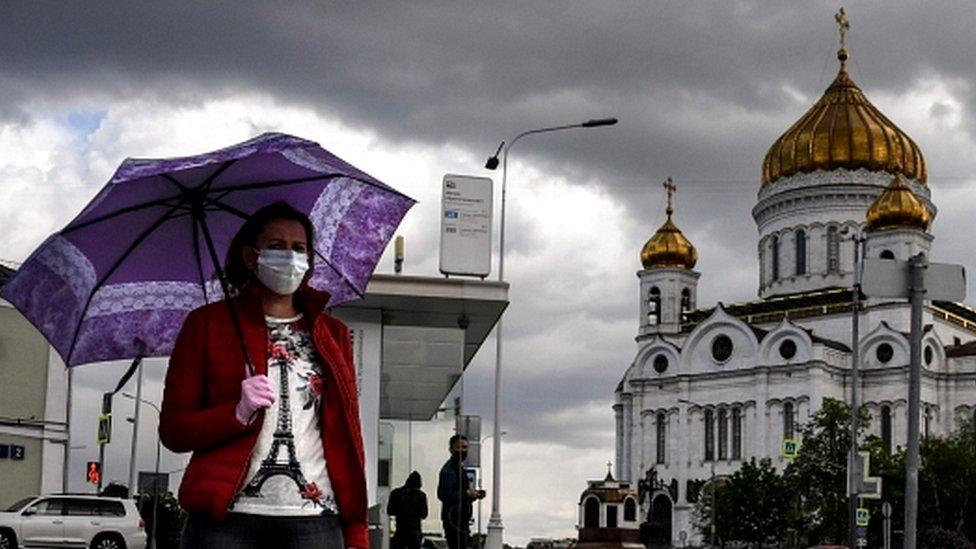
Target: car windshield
[(20, 505)]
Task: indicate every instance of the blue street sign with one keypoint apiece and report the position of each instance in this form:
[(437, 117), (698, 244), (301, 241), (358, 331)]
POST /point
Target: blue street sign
[(4, 451), (16, 452)]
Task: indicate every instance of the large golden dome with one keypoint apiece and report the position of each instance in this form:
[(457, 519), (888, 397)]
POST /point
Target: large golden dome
[(897, 208), (843, 130), (668, 247)]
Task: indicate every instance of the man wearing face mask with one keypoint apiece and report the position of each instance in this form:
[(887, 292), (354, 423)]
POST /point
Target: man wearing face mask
[(456, 495)]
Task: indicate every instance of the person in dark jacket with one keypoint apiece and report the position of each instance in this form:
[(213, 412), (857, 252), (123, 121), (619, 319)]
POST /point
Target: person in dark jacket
[(408, 504), (456, 495)]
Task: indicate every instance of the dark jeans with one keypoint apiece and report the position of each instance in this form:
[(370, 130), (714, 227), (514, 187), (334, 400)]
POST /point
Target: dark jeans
[(243, 531), (456, 539)]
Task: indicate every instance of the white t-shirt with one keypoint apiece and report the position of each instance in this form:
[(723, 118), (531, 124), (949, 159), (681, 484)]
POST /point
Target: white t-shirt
[(278, 483)]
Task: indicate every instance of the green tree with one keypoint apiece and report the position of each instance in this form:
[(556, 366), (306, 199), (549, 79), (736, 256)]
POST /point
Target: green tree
[(818, 475), (749, 504)]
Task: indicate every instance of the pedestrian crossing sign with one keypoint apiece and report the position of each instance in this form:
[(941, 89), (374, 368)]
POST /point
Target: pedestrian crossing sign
[(104, 428), (862, 517), (790, 448)]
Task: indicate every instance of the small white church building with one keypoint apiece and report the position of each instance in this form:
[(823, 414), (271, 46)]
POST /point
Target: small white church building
[(711, 387)]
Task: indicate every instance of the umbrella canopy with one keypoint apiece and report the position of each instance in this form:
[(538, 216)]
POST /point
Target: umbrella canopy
[(119, 280)]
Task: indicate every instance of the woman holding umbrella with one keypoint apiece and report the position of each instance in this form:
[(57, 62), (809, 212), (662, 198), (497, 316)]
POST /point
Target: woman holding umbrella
[(277, 454)]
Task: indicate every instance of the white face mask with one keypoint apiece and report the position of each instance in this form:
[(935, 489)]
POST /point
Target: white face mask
[(282, 271)]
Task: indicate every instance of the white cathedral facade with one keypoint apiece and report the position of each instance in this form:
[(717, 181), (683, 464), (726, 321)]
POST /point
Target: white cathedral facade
[(711, 387)]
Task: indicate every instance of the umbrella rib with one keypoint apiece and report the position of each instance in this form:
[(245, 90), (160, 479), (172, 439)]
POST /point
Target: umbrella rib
[(213, 177), (125, 210), (342, 275), (207, 199), (135, 243)]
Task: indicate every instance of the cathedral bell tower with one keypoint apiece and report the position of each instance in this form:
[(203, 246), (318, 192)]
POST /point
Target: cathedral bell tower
[(668, 285), (896, 225)]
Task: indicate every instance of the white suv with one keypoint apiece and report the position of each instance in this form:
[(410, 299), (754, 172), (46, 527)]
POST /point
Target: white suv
[(72, 520)]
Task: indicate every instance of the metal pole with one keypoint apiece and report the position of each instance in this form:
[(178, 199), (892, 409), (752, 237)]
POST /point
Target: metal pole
[(153, 541), (495, 527), (852, 481), (886, 511), (65, 468), (916, 265), (101, 468), (135, 435)]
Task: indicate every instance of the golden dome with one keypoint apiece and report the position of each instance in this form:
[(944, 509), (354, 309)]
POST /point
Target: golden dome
[(897, 208), (843, 130), (668, 247)]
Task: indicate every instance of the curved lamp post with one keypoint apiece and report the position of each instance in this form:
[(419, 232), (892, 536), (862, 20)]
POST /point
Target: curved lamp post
[(495, 528)]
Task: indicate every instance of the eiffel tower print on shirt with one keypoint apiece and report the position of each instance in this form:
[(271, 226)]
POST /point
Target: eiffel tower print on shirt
[(286, 346)]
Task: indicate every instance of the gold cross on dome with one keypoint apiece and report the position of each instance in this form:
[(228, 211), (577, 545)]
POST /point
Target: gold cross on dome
[(670, 187), (609, 466), (844, 25)]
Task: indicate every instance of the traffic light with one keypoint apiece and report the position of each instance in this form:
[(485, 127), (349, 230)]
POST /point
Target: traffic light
[(94, 472)]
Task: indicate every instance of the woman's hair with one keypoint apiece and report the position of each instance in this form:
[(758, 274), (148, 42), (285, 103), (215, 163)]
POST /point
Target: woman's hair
[(237, 272)]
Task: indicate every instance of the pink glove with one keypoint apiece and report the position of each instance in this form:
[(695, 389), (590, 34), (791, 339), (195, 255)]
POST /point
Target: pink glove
[(256, 392)]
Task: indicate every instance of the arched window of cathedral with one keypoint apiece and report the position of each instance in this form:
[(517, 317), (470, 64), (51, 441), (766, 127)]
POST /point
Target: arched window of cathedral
[(685, 304), (709, 435), (833, 249), (774, 257), (736, 433), (884, 353), (630, 510), (928, 355), (654, 306), (801, 252), (660, 363), (721, 348), (886, 428), (788, 425), (787, 349), (723, 434), (886, 254), (591, 513), (662, 435)]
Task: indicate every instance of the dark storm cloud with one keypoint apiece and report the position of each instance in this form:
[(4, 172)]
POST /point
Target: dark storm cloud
[(473, 74)]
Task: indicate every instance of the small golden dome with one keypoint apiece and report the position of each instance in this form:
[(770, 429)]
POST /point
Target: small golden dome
[(668, 247), (843, 130), (897, 208)]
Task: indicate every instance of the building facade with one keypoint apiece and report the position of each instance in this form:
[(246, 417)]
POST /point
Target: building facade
[(711, 387)]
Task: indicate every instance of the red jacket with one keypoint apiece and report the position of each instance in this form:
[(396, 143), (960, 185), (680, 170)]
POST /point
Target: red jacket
[(203, 386)]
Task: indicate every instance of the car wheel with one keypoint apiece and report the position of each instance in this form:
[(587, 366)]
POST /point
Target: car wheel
[(7, 540), (108, 541)]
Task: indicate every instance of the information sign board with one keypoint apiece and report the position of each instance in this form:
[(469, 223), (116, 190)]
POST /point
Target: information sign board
[(466, 212)]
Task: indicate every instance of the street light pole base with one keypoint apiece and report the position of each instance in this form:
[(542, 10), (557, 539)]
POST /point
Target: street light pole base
[(494, 538)]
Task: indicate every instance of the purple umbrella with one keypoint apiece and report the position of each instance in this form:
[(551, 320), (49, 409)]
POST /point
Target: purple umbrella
[(119, 280)]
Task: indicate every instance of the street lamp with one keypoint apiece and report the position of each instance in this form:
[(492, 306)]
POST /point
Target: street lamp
[(152, 534), (495, 528), (858, 238), (711, 481)]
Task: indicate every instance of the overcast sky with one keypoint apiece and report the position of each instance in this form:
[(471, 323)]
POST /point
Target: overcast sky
[(411, 91)]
